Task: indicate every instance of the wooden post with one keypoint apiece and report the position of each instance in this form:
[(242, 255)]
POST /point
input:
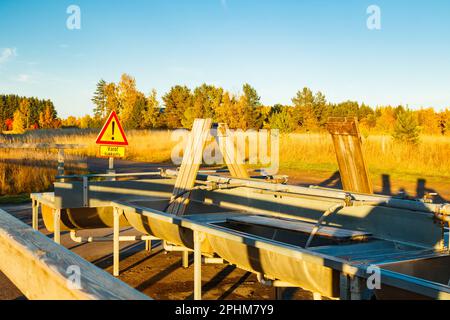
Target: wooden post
[(230, 152), (348, 146), (192, 159)]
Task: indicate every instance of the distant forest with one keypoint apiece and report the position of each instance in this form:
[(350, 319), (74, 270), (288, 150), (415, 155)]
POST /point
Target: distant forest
[(178, 108), (21, 113), (308, 112)]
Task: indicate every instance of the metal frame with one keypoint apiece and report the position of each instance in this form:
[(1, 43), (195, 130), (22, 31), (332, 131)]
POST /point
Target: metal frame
[(352, 276)]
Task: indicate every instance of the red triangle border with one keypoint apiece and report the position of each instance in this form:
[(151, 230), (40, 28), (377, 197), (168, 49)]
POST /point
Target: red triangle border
[(112, 116)]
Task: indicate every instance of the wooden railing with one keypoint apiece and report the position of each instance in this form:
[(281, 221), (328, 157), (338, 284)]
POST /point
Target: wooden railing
[(42, 269)]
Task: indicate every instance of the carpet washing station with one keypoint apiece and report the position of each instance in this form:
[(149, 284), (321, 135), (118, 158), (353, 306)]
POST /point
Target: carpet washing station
[(334, 243)]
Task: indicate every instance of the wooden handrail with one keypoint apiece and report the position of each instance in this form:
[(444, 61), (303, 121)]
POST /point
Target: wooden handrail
[(42, 269)]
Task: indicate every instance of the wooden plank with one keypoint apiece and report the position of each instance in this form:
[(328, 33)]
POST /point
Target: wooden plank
[(230, 152), (192, 159), (348, 147), (42, 269), (303, 227)]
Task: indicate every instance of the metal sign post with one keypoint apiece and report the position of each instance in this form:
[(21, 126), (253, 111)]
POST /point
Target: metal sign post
[(111, 168), (112, 141)]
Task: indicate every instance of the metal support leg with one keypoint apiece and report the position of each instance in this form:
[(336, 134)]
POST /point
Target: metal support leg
[(198, 238), (35, 214), (61, 163), (185, 259), (57, 225), (279, 293), (116, 242), (148, 245), (344, 287), (111, 169), (356, 288)]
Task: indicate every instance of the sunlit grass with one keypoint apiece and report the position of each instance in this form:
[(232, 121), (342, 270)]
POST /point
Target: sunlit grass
[(24, 171), (315, 152)]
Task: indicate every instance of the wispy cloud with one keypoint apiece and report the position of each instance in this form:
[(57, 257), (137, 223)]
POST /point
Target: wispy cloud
[(7, 54), (23, 78)]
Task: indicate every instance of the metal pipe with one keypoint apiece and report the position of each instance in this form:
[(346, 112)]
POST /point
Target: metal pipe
[(207, 187), (207, 260), (273, 283), (263, 280), (173, 248), (109, 175), (79, 239), (288, 190), (327, 213)]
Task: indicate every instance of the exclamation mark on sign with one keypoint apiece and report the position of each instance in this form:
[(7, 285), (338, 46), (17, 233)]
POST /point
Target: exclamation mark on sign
[(113, 126)]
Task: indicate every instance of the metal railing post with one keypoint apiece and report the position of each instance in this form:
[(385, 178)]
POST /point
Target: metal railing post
[(116, 242), (35, 214), (57, 225), (61, 162), (198, 239), (185, 259)]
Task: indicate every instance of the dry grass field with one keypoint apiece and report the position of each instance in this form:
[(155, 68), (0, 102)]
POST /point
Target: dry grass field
[(429, 159), (23, 171)]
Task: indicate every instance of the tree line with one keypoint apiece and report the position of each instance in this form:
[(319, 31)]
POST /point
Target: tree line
[(19, 114), (308, 112)]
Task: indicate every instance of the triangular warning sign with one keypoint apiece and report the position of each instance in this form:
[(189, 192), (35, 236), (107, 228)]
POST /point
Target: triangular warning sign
[(112, 132)]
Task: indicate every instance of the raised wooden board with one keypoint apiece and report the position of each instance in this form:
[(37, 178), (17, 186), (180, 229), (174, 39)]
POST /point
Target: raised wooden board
[(348, 146), (303, 227), (230, 152), (42, 269), (192, 159)]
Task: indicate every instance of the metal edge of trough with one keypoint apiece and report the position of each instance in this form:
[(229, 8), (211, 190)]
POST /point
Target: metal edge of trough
[(420, 286)]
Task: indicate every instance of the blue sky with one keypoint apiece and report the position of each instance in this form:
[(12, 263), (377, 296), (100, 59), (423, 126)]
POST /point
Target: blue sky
[(276, 46)]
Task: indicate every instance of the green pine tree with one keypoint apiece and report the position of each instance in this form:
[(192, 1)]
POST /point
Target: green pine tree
[(99, 99), (406, 129)]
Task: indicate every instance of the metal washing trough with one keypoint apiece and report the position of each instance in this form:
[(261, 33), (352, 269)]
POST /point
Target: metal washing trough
[(264, 228)]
